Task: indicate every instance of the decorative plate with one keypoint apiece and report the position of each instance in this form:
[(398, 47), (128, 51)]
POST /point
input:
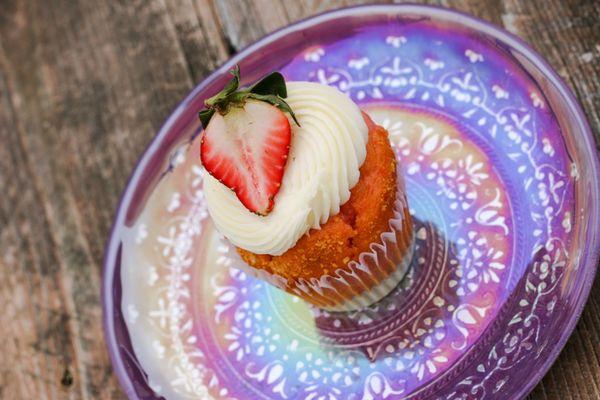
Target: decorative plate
[(503, 185)]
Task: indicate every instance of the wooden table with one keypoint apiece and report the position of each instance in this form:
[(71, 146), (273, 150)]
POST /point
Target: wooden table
[(84, 86)]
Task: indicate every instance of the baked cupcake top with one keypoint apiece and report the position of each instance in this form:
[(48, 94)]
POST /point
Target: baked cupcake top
[(326, 149)]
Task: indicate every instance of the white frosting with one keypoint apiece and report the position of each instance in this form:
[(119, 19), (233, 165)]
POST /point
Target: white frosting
[(326, 153)]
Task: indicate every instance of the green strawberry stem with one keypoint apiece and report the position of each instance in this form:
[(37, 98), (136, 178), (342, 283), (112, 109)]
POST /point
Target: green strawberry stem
[(270, 89)]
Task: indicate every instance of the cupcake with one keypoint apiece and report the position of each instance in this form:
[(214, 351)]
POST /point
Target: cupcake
[(307, 190)]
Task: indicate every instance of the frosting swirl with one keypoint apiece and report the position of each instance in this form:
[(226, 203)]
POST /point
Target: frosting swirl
[(326, 153)]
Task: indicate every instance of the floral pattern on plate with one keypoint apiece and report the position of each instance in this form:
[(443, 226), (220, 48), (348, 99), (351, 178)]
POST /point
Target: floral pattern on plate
[(490, 187)]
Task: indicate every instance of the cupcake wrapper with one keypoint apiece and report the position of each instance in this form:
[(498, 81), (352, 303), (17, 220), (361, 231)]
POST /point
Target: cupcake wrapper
[(362, 282)]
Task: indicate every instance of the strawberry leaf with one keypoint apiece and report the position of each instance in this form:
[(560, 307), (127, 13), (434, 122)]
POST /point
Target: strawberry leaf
[(270, 89), (205, 116), (274, 83), (277, 102)]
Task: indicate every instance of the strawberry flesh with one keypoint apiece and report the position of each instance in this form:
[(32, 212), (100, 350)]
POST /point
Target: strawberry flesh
[(246, 149)]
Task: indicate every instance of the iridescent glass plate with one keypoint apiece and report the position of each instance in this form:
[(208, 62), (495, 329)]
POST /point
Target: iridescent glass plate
[(503, 186)]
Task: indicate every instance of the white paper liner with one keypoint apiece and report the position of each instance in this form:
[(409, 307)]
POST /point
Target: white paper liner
[(379, 291), (362, 282)]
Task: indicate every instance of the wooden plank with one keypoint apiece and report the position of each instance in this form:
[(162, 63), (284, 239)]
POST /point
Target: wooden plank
[(78, 76), (199, 32), (35, 323), (568, 35)]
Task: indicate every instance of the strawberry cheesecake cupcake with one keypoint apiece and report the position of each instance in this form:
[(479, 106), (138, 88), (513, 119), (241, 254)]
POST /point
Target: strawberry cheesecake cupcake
[(307, 190)]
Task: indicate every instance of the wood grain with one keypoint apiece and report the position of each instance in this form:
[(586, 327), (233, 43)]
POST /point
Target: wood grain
[(84, 85)]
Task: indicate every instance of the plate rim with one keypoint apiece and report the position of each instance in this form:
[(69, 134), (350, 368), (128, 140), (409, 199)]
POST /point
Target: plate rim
[(571, 104)]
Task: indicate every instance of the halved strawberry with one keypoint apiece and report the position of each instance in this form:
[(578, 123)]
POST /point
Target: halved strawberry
[(246, 149), (246, 140)]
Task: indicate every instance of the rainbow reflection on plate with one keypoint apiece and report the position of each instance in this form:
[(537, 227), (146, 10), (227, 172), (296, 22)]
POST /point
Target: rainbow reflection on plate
[(496, 185)]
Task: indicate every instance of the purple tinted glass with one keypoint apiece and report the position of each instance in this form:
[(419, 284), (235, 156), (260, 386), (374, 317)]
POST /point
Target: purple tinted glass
[(502, 179)]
